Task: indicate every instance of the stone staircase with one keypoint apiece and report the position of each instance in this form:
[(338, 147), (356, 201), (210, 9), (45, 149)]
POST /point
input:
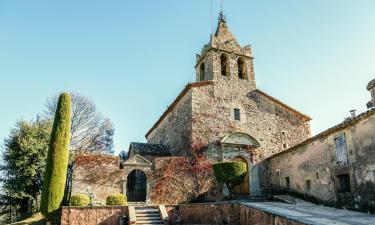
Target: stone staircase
[(147, 215)]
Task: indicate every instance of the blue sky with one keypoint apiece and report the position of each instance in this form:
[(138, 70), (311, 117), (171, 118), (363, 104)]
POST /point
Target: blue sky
[(134, 57)]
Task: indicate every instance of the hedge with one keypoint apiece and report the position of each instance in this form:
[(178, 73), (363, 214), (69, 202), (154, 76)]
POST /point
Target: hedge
[(79, 200), (231, 173), (57, 159), (116, 199)]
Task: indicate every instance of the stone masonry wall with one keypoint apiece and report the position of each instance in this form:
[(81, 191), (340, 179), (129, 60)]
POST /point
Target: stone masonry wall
[(262, 118), (316, 161), (224, 213), (108, 215), (97, 174), (175, 128)]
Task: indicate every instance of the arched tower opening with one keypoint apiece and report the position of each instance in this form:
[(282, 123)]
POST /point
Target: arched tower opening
[(241, 67), (224, 62), (201, 72)]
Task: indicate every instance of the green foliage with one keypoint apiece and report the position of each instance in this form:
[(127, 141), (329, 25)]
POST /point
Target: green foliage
[(116, 199), (57, 159), (79, 200), (23, 161), (230, 173)]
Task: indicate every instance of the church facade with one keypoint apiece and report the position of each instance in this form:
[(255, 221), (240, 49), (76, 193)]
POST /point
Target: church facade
[(221, 116)]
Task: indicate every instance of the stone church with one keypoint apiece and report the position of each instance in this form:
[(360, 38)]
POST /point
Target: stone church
[(221, 116)]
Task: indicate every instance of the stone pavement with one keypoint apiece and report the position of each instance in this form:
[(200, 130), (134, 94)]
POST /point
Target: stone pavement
[(313, 214)]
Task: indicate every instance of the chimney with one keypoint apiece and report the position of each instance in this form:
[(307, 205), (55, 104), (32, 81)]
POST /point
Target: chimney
[(352, 113), (371, 89)]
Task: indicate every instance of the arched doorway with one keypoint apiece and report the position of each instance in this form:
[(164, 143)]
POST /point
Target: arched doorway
[(243, 189), (136, 186)]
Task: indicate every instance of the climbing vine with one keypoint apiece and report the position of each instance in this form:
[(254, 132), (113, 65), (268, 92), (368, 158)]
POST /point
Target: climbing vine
[(180, 179)]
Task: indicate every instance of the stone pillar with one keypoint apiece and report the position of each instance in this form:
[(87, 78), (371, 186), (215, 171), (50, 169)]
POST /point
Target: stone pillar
[(371, 88), (148, 200), (124, 184)]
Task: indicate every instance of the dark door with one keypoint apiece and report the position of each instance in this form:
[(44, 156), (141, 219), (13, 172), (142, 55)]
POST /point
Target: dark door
[(136, 186)]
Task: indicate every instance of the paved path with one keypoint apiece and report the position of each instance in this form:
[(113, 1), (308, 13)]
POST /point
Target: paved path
[(313, 214)]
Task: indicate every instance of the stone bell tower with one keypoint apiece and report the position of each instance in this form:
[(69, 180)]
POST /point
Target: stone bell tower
[(224, 59)]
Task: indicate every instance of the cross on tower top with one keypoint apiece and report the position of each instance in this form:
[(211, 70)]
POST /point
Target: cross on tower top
[(222, 17)]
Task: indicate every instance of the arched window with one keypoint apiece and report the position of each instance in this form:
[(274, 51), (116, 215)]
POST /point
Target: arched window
[(224, 65), (201, 72), (241, 68)]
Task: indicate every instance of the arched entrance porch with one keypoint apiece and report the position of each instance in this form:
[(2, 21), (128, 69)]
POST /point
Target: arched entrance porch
[(244, 188), (136, 186)]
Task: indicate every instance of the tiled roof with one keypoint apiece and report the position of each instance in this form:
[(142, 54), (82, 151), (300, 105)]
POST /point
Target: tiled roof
[(149, 149), (347, 123)]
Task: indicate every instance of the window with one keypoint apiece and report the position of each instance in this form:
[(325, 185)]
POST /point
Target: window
[(341, 151), (287, 182), (317, 175), (308, 185), (237, 114), (343, 183), (371, 176), (241, 68), (224, 65), (285, 146), (201, 72)]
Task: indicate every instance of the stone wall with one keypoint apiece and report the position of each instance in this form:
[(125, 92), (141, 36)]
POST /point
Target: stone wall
[(224, 213), (108, 215), (97, 174), (315, 162), (174, 127), (270, 123)]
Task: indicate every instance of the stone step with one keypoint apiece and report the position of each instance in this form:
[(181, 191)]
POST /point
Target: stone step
[(148, 217), (149, 222), (146, 210), (147, 214)]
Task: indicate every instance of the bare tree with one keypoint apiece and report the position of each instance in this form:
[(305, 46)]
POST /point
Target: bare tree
[(91, 132)]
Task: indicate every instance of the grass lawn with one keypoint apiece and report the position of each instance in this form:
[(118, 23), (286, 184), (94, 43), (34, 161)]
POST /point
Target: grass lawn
[(36, 219)]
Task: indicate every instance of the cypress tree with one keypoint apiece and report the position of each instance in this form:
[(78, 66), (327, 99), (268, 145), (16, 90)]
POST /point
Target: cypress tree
[(57, 159)]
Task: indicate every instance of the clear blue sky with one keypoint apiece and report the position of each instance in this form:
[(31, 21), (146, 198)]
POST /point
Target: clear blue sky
[(134, 57)]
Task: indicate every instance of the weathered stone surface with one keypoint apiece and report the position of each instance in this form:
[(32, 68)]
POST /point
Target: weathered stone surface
[(97, 174), (316, 161), (107, 215), (224, 213)]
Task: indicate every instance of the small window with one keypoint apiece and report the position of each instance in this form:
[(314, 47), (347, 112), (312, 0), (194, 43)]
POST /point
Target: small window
[(201, 72), (285, 146), (237, 114), (241, 68), (224, 65), (343, 183), (341, 150), (317, 175), (308, 185), (371, 176), (287, 182)]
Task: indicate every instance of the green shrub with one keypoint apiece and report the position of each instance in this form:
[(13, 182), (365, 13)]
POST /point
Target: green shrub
[(116, 199), (79, 200), (57, 159), (230, 173)]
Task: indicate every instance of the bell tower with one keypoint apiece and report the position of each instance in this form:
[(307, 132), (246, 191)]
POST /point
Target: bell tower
[(223, 58)]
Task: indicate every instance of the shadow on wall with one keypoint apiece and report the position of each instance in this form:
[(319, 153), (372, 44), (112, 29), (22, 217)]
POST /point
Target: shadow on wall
[(362, 199)]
